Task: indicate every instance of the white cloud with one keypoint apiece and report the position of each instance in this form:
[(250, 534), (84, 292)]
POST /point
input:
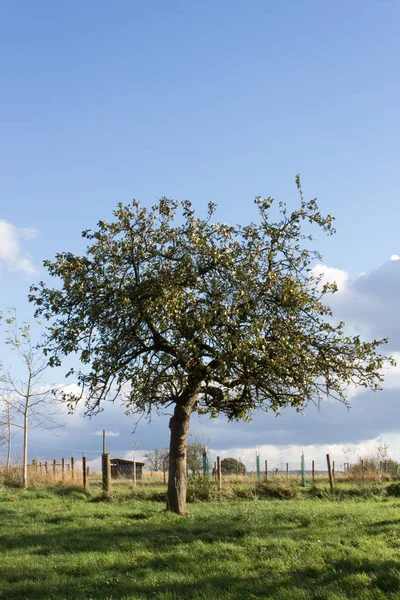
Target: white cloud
[(391, 382), (329, 275), (109, 433), (392, 374), (278, 456), (369, 303), (395, 257), (11, 254)]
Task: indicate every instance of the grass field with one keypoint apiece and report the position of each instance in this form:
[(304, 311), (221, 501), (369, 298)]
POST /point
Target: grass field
[(57, 544)]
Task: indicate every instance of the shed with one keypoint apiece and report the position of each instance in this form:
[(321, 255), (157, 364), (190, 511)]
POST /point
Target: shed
[(124, 468)]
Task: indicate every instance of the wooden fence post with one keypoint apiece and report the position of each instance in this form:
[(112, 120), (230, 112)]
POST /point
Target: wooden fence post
[(84, 474), (54, 468), (46, 467), (333, 469), (106, 474), (362, 470), (63, 468), (72, 467), (313, 471), (266, 469), (287, 469), (331, 484), (219, 474)]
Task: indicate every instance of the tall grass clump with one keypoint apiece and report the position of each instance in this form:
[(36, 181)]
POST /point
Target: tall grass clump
[(283, 488), (201, 489)]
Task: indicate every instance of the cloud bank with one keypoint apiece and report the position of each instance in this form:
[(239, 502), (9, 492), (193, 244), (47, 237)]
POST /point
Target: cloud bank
[(12, 255), (369, 303)]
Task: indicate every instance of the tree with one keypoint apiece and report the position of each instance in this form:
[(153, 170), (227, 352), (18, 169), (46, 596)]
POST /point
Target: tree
[(156, 459), (3, 433), (231, 466), (173, 310), (373, 465), (6, 428), (382, 452), (27, 401), (194, 457)]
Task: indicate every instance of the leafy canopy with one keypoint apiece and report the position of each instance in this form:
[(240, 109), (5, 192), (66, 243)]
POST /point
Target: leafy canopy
[(164, 301), (231, 466)]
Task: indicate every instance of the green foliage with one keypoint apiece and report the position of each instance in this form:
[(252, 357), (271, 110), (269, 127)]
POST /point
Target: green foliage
[(231, 466), (317, 492), (347, 492), (201, 488), (194, 457), (167, 308), (393, 489), (283, 488), (225, 318)]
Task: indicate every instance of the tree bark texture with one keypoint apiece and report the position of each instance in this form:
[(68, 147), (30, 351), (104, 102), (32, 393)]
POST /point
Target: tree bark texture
[(177, 476), (8, 437), (25, 451)]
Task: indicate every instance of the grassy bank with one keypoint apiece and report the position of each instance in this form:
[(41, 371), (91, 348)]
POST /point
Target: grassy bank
[(58, 544)]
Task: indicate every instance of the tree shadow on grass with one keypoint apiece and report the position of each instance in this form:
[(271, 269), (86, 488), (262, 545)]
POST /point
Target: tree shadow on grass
[(382, 526), (347, 577), (353, 576), (64, 566), (118, 586), (141, 555)]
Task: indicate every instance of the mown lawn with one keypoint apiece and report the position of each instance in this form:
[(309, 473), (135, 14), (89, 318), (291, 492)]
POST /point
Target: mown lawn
[(56, 544)]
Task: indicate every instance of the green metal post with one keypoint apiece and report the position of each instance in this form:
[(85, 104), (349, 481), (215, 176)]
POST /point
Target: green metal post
[(303, 471), (258, 467), (206, 464)]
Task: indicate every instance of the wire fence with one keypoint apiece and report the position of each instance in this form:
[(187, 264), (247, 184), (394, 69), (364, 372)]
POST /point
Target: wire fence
[(210, 463)]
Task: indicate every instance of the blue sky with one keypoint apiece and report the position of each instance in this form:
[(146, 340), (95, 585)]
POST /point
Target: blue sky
[(101, 102)]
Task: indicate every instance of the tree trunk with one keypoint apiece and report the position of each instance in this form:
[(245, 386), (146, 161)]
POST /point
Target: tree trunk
[(25, 451), (8, 438), (177, 480)]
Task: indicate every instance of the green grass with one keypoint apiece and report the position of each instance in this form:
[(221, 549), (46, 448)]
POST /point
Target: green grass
[(58, 544)]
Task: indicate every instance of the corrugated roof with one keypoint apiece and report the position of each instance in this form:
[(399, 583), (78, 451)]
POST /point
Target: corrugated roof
[(123, 461)]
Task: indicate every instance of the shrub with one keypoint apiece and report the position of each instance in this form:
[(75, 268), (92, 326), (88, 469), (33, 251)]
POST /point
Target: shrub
[(283, 488), (201, 488), (367, 491), (393, 489), (244, 493), (11, 478), (316, 492), (348, 493)]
